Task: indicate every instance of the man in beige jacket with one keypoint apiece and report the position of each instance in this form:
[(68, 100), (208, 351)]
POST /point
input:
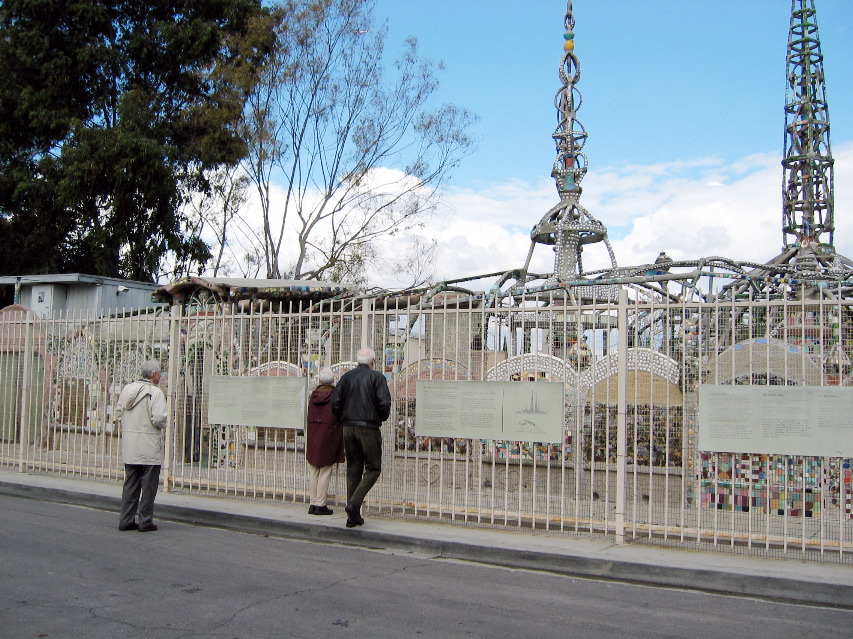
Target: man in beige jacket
[(141, 411)]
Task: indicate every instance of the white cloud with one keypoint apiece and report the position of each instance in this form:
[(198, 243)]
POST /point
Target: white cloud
[(688, 209), (489, 231), (716, 210)]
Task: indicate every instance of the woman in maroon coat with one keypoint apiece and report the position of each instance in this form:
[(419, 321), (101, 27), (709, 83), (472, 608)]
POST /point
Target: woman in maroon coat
[(325, 446)]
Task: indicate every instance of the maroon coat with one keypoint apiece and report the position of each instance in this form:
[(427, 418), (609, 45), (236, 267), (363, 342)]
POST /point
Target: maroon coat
[(325, 436)]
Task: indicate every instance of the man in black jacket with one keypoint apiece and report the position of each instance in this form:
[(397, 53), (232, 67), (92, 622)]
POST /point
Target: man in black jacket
[(361, 402)]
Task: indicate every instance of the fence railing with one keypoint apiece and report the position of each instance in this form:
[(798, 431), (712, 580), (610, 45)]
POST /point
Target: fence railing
[(629, 464)]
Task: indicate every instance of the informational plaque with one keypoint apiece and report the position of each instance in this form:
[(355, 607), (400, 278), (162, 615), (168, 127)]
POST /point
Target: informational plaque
[(274, 402), (776, 420), (511, 411)]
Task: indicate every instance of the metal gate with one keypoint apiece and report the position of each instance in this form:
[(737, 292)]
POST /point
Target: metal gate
[(629, 466)]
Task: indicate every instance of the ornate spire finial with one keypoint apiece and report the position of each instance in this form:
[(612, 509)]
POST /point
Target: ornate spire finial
[(570, 136), (568, 226), (807, 216)]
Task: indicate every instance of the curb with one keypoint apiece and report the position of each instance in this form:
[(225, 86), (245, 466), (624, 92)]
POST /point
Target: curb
[(809, 592)]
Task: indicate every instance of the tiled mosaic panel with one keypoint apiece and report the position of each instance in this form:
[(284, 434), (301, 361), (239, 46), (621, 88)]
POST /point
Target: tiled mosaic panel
[(531, 451), (770, 483), (840, 484)]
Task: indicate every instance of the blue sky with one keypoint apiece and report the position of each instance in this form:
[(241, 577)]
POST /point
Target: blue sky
[(662, 80), (683, 103)]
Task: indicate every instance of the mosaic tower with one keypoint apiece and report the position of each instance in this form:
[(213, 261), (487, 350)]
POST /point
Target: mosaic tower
[(807, 201), (568, 226), (808, 226)]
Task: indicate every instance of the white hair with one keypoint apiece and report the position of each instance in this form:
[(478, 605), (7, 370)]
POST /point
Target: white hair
[(149, 369), (326, 376), (365, 356)]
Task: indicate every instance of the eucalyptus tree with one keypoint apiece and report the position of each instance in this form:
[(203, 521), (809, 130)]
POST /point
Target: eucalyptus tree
[(358, 147), (218, 213), (114, 114)]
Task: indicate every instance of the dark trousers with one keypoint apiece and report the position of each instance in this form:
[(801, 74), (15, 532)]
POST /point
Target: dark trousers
[(363, 447), (137, 497)]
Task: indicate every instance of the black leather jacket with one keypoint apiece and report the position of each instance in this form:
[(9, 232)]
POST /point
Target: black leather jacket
[(362, 398)]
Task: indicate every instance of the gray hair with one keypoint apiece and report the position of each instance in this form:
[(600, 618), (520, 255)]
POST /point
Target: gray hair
[(326, 376), (149, 369), (366, 356)]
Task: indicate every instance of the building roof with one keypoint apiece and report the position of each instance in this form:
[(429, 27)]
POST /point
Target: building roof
[(73, 278), (236, 289)]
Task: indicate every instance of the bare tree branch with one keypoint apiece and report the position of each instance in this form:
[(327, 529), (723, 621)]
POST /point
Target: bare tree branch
[(360, 150)]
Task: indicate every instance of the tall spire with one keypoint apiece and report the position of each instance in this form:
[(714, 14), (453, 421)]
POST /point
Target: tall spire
[(807, 216), (568, 225)]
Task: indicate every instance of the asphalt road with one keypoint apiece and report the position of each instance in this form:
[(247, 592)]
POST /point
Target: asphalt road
[(67, 571)]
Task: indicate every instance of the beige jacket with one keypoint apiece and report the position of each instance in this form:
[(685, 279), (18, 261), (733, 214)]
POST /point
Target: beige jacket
[(141, 411)]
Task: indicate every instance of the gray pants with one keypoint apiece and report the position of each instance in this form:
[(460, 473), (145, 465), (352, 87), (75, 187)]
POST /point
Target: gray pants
[(137, 498), (363, 447)]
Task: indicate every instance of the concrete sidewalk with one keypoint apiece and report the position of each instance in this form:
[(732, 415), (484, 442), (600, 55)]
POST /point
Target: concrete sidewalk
[(805, 582)]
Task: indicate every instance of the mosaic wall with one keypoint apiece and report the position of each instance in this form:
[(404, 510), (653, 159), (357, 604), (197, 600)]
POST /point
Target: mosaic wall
[(772, 484)]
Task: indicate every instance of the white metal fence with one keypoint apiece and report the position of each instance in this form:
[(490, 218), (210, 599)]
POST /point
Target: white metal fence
[(628, 467)]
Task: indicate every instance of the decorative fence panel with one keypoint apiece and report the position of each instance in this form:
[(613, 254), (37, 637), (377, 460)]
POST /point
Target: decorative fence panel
[(629, 465)]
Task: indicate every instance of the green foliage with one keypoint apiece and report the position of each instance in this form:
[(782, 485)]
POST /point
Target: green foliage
[(114, 114)]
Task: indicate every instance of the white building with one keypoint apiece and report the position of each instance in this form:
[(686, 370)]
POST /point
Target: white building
[(51, 295)]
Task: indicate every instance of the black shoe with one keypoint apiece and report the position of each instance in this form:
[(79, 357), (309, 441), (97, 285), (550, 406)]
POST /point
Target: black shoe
[(133, 526), (323, 510), (148, 528), (353, 516), (312, 509)]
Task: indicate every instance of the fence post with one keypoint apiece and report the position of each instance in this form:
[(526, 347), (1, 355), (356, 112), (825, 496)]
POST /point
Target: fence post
[(26, 372), (171, 403), (622, 409), (366, 308)]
